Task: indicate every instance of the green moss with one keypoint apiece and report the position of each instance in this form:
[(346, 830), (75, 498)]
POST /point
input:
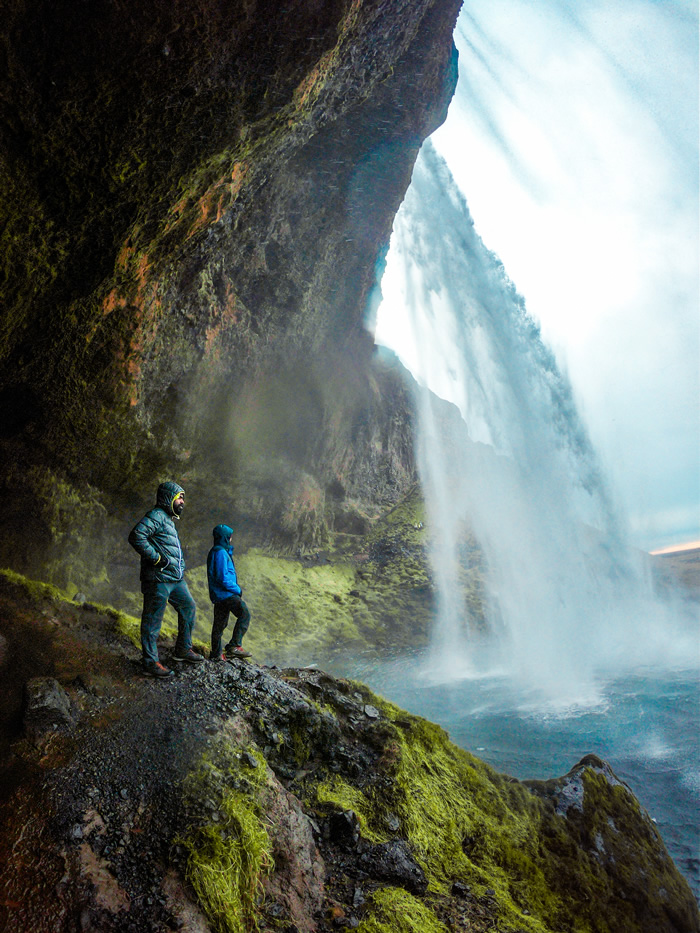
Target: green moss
[(125, 625), (297, 610), (34, 589), (301, 727), (340, 795), (394, 910), (463, 820), (597, 871), (398, 550), (409, 514), (227, 860), (301, 746), (226, 863), (71, 524), (129, 627)]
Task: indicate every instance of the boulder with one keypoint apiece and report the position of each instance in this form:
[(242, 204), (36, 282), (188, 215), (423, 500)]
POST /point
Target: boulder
[(394, 863), (48, 708)]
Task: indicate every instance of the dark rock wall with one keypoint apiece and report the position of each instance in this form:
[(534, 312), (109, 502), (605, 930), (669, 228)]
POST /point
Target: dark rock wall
[(195, 196)]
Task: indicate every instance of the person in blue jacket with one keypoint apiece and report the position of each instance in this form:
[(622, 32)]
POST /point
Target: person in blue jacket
[(156, 540), (226, 595)]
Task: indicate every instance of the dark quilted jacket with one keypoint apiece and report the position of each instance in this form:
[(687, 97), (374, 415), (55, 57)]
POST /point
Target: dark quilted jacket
[(155, 538)]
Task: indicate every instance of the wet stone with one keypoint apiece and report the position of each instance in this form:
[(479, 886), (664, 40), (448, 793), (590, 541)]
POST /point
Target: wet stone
[(343, 828), (393, 862), (48, 708)]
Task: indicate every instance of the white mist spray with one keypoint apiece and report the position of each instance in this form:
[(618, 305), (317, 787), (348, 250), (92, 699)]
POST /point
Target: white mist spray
[(568, 599)]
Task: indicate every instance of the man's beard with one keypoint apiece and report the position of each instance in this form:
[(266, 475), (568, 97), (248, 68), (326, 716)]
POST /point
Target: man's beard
[(177, 509)]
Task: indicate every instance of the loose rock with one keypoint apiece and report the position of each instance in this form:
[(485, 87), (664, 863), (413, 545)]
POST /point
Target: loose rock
[(48, 708)]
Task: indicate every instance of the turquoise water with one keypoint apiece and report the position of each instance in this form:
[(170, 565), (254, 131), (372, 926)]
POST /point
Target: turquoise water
[(646, 725)]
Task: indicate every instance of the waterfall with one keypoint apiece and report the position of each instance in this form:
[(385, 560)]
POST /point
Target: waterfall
[(567, 599)]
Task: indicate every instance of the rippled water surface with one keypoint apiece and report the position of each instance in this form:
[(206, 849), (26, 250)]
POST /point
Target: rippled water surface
[(647, 725)]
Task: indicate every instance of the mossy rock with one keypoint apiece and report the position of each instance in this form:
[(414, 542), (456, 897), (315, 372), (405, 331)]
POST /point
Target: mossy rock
[(254, 767), (227, 860)]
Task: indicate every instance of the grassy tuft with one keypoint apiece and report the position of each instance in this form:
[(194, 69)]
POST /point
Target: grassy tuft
[(396, 911), (34, 589), (227, 860), (226, 864)]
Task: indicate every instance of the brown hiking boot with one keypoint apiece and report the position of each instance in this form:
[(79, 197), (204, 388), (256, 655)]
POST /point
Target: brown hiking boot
[(237, 652), (188, 655), (156, 669)]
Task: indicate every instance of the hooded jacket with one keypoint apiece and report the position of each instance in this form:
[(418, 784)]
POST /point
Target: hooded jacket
[(156, 540), (221, 573)]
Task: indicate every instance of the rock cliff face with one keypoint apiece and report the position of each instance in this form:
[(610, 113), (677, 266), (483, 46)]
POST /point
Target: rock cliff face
[(236, 796), (195, 198)]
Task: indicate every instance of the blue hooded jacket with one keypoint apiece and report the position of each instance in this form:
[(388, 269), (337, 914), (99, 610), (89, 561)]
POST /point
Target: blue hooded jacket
[(221, 573)]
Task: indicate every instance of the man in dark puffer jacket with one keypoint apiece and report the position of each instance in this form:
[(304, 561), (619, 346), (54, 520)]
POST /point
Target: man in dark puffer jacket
[(156, 540)]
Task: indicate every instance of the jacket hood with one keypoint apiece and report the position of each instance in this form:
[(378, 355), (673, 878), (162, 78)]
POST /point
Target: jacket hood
[(222, 535), (166, 495)]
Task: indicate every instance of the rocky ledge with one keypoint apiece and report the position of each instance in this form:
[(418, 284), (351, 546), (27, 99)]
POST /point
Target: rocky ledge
[(234, 796)]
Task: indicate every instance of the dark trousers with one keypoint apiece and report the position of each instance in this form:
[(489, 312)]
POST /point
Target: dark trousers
[(222, 609), (156, 597)]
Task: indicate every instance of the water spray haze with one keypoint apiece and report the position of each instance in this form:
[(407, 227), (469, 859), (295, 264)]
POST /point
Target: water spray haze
[(567, 599)]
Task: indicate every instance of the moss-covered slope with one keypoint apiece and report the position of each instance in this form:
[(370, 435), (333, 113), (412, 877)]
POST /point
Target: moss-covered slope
[(236, 796)]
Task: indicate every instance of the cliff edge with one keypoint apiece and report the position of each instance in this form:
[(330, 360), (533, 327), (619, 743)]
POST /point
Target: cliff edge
[(235, 796)]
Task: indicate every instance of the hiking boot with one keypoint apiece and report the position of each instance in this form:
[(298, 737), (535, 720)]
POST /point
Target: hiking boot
[(188, 655), (217, 657), (156, 669), (237, 652)]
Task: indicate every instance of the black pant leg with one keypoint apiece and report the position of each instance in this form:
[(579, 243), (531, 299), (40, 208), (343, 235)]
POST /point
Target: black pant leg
[(242, 614), (221, 613)]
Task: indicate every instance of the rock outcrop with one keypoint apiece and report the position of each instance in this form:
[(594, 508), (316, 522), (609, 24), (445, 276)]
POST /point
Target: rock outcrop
[(195, 200), (235, 794)]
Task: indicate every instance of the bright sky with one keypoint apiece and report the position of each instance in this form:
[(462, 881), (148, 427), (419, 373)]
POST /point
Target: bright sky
[(574, 137)]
